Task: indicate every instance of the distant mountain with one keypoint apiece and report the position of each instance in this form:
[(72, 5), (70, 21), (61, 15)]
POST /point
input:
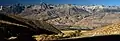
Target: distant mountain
[(67, 14), (1, 8), (18, 8)]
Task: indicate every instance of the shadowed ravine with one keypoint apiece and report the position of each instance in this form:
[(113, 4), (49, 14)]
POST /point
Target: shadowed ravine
[(12, 25)]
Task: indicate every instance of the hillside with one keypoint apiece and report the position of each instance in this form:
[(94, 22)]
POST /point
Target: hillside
[(65, 15), (16, 26)]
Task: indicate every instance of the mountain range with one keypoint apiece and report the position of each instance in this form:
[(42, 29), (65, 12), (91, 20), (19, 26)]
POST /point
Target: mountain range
[(67, 15)]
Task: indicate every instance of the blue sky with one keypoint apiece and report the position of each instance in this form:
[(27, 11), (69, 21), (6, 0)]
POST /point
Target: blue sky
[(80, 2)]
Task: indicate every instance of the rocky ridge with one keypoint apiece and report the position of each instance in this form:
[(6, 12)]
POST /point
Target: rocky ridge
[(67, 14)]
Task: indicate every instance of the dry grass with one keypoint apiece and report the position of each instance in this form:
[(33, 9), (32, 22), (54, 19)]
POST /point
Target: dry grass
[(66, 34), (106, 30)]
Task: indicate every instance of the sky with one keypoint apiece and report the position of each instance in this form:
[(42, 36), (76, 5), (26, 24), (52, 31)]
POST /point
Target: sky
[(80, 2)]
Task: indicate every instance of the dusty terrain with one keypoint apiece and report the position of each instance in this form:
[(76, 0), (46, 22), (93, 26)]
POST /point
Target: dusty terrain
[(112, 29), (71, 20)]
